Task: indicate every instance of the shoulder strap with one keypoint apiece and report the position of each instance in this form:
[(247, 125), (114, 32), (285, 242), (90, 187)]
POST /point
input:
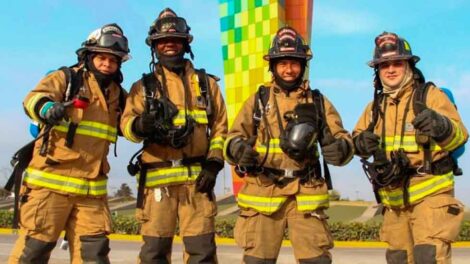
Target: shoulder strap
[(318, 100), (319, 103), (204, 86), (420, 95), (73, 81), (151, 85), (261, 96)]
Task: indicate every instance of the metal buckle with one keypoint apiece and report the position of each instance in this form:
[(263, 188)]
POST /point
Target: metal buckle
[(420, 170), (289, 173), (176, 163)]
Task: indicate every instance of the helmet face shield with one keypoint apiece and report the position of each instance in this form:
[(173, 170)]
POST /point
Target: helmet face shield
[(113, 41), (171, 25), (107, 39)]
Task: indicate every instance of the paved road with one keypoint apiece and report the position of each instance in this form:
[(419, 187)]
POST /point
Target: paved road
[(123, 252)]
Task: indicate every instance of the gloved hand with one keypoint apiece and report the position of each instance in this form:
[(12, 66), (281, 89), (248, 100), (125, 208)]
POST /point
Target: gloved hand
[(243, 153), (306, 113), (52, 112), (205, 182), (432, 124), (145, 125), (366, 143), (334, 150)]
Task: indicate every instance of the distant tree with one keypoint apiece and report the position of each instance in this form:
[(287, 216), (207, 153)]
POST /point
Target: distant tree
[(335, 195), (124, 191)]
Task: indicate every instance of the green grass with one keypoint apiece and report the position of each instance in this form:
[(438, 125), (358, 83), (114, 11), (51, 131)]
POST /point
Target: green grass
[(344, 213)]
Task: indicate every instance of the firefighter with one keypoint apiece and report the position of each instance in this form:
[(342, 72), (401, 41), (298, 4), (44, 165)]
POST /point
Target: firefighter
[(410, 129), (64, 186), (179, 114), (274, 145)]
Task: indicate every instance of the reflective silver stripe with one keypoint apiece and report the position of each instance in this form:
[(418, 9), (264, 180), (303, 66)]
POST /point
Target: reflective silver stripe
[(170, 175), (267, 205), (417, 191), (64, 183), (92, 129)]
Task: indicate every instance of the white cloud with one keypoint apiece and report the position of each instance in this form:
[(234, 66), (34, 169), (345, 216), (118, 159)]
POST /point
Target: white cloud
[(334, 21)]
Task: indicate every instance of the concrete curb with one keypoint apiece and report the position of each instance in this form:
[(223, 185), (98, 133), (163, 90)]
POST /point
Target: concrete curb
[(231, 241)]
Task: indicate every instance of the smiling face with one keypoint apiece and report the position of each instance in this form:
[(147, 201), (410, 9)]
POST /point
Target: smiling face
[(392, 72), (288, 69), (169, 46), (106, 63)]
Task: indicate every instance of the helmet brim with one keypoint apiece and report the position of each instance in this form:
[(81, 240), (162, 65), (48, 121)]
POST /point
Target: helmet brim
[(123, 55), (302, 56), (375, 62)]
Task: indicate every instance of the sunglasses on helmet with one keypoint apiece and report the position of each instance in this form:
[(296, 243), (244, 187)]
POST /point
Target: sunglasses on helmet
[(171, 24)]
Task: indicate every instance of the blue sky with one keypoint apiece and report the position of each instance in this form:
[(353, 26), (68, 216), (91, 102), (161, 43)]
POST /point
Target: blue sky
[(42, 35)]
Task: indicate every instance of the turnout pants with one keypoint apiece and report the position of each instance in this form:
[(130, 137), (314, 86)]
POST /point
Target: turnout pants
[(422, 233), (193, 211), (261, 236), (45, 214)]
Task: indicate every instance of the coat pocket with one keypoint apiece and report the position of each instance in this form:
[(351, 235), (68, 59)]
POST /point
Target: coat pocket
[(245, 228), (33, 211), (445, 217)]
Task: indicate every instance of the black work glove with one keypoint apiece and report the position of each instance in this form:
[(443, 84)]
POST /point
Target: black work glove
[(146, 124), (305, 113), (366, 143), (205, 182), (334, 150), (431, 123), (242, 152), (53, 112)]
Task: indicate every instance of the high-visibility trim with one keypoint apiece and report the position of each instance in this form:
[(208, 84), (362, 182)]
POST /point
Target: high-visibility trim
[(200, 116), (195, 82), (128, 133), (409, 144), (307, 202), (418, 191), (217, 143), (31, 104), (65, 183), (274, 147), (458, 138), (261, 204), (172, 175), (91, 129)]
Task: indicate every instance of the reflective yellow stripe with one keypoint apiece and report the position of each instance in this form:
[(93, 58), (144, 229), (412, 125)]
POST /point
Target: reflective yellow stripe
[(312, 202), (457, 140), (195, 81), (200, 116), (31, 104), (261, 204), (65, 183), (409, 144), (92, 129), (173, 175), (217, 143), (274, 146), (128, 133), (418, 191)]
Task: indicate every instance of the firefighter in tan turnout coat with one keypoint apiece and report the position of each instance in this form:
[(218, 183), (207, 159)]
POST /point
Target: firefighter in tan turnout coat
[(410, 129), (64, 186), (179, 114), (273, 143)]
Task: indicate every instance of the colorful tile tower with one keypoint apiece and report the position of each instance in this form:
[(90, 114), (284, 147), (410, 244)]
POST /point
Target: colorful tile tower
[(248, 27)]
